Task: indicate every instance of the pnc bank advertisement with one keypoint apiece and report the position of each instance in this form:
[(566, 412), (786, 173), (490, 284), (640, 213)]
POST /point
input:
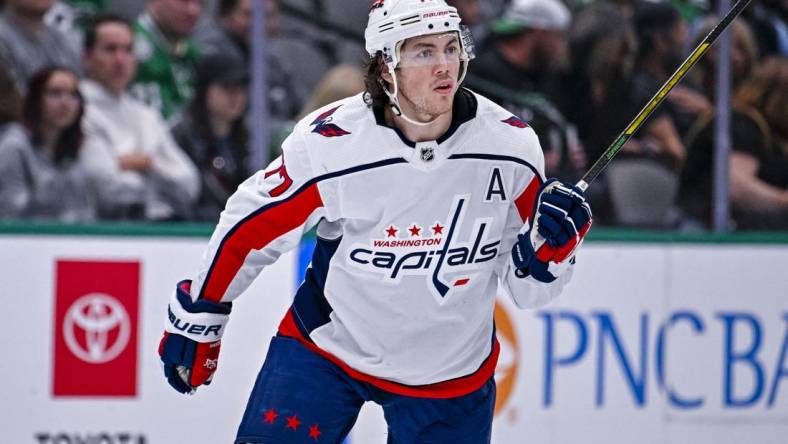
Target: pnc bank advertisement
[(651, 343)]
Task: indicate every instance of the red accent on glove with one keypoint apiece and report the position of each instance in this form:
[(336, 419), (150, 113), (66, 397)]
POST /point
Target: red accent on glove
[(560, 254), (161, 343), (206, 360)]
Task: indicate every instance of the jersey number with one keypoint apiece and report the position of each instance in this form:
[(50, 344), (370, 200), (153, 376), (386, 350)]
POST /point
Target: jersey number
[(286, 180)]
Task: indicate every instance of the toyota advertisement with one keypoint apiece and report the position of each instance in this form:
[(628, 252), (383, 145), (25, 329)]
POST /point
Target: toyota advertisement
[(96, 321), (650, 343)]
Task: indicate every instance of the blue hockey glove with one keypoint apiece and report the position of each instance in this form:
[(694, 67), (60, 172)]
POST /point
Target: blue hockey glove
[(190, 346), (560, 220)]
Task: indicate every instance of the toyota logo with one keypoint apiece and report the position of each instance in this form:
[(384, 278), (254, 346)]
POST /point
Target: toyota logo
[(96, 328)]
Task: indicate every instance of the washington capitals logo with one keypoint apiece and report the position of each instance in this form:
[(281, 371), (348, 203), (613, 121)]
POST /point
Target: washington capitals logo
[(515, 122), (325, 128), (436, 257)]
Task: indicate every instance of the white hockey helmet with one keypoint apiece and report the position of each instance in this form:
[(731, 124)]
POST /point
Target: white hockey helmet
[(391, 22)]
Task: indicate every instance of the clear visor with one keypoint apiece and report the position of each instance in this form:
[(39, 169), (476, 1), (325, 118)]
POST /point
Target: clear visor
[(432, 50)]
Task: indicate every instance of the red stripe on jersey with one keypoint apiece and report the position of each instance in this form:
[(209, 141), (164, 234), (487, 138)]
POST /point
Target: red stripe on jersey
[(440, 390), (255, 234), (525, 201)]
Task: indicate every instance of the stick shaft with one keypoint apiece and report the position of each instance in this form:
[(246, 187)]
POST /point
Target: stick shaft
[(655, 101)]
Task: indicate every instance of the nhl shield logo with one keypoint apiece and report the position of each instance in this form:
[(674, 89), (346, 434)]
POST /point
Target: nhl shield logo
[(427, 154)]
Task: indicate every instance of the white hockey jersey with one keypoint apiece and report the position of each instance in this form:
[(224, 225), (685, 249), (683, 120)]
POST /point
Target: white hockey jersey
[(413, 240)]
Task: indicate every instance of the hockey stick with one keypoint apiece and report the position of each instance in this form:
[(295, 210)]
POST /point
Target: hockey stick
[(655, 101)]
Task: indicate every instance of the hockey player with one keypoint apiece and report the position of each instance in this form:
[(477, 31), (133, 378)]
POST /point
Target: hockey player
[(426, 197)]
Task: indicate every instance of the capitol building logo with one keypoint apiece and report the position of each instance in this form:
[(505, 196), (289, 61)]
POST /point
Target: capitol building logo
[(96, 328)]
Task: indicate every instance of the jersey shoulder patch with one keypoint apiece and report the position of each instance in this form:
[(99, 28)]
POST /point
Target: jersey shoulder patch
[(506, 134), (334, 120), (515, 122), (323, 124)]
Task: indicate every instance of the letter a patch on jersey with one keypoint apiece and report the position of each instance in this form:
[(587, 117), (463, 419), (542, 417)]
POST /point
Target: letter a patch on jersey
[(495, 188)]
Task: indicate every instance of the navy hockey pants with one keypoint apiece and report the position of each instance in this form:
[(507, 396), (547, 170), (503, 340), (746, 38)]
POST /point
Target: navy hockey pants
[(301, 397)]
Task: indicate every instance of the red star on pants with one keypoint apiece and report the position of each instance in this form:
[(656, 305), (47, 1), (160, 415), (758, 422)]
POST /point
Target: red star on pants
[(314, 432), (438, 229), (293, 422), (414, 230), (392, 231), (270, 416)]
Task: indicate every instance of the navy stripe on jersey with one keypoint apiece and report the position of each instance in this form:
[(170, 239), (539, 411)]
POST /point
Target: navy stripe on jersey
[(305, 186), (496, 157), (310, 306)]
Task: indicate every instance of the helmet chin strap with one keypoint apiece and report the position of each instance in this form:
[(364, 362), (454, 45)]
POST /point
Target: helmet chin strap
[(395, 106), (397, 109)]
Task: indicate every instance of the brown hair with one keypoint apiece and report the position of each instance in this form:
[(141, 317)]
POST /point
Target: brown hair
[(766, 91), (70, 139), (740, 32), (373, 82), (10, 99), (339, 82)]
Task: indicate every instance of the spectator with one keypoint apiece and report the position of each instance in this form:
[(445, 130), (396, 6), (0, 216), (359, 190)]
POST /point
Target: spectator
[(27, 44), (70, 15), (526, 51), (165, 54), (758, 166), (695, 191), (649, 164), (472, 13), (213, 132), (602, 47), (338, 83), (528, 46), (40, 177), (232, 35), (759, 171), (744, 56), (232, 31), (768, 20), (10, 99), (595, 94), (139, 170), (662, 35)]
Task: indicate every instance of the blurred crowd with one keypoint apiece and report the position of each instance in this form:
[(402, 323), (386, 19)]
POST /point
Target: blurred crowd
[(139, 110)]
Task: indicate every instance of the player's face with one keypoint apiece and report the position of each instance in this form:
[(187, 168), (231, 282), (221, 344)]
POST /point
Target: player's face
[(428, 74), (111, 61)]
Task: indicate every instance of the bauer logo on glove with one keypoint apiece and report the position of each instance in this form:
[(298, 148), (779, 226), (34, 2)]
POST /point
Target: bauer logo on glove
[(190, 347), (192, 328)]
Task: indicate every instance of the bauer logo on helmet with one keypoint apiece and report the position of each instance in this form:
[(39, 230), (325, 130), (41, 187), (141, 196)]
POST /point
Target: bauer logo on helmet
[(376, 4)]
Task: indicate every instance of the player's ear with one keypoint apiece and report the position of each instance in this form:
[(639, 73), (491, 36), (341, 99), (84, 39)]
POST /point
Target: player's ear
[(385, 74)]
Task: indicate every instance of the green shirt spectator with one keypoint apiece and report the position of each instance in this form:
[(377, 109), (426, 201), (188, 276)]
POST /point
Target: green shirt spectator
[(165, 54)]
